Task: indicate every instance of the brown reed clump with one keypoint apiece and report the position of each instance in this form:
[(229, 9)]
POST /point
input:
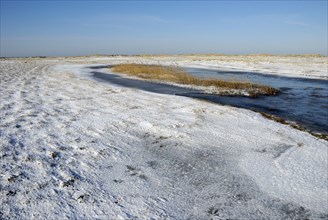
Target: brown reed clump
[(178, 75)]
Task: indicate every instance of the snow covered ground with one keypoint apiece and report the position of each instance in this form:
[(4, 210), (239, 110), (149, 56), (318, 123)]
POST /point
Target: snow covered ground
[(74, 147), (291, 66), (307, 66)]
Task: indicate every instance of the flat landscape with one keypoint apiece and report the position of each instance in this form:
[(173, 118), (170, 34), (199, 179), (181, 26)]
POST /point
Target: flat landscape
[(74, 146)]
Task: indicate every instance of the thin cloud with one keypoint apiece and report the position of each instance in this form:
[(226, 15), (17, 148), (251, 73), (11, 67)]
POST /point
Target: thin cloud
[(122, 20), (298, 23), (291, 19), (142, 18)]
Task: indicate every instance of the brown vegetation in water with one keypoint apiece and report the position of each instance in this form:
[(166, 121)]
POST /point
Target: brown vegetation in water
[(179, 76)]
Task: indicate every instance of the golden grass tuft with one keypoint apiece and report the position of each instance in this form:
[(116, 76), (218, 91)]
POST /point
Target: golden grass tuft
[(178, 75)]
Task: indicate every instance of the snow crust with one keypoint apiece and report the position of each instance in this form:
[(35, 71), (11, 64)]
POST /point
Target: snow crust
[(307, 66), (74, 147)]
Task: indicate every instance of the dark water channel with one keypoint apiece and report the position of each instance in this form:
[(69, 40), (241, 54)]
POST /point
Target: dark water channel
[(304, 101)]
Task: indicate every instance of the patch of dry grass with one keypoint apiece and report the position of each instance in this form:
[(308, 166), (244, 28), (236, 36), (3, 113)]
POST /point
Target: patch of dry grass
[(178, 75)]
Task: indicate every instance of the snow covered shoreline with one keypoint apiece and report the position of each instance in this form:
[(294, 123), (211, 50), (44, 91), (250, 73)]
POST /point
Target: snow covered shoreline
[(304, 66), (72, 147)]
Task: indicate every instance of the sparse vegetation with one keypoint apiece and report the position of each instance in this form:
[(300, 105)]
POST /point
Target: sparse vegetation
[(179, 76), (294, 125)]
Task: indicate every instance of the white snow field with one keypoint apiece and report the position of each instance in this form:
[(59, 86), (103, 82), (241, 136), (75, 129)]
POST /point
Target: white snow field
[(73, 147)]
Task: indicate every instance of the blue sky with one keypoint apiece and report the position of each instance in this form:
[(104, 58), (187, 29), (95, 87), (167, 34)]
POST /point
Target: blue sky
[(56, 28)]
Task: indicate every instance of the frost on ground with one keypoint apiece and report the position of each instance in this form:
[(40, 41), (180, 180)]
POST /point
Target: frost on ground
[(73, 147), (307, 66)]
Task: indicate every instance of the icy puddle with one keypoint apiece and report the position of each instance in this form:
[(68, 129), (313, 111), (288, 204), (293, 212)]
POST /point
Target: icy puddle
[(303, 101)]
